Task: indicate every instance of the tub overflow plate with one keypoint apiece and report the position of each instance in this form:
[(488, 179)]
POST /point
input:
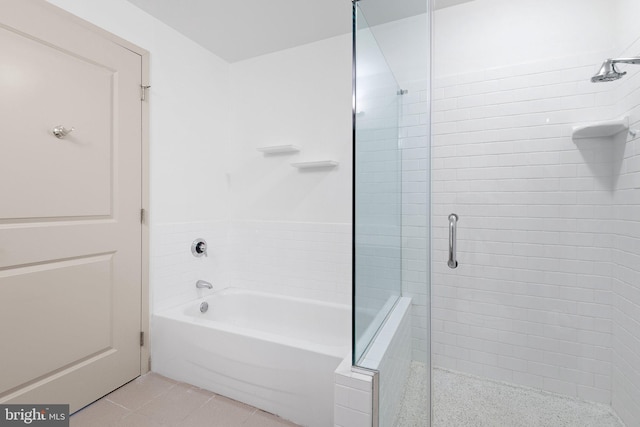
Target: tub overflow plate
[(204, 307)]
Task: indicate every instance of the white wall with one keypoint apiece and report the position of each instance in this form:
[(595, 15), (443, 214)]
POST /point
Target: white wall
[(303, 259), (415, 140), (290, 229), (299, 96), (545, 294), (486, 34), (390, 354), (530, 302), (626, 268), (405, 44), (353, 397), (626, 229)]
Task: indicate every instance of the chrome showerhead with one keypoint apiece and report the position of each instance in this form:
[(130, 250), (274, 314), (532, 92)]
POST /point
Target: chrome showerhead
[(608, 72)]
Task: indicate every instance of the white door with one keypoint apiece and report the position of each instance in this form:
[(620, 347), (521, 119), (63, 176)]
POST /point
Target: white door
[(70, 232)]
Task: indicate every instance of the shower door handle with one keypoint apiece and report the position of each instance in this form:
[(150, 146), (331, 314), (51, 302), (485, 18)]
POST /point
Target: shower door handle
[(453, 225)]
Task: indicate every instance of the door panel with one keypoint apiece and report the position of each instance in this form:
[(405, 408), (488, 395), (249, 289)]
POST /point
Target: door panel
[(44, 289), (70, 232), (83, 185)]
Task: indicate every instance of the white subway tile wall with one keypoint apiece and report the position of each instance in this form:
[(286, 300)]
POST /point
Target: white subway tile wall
[(308, 260), (391, 356), (353, 397), (531, 301), (414, 143), (626, 253), (377, 204), (174, 270)]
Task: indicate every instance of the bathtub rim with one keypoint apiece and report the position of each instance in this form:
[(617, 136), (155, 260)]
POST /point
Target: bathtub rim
[(178, 314)]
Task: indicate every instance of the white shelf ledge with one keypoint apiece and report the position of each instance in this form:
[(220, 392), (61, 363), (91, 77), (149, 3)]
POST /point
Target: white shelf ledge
[(318, 164), (279, 149), (604, 129)]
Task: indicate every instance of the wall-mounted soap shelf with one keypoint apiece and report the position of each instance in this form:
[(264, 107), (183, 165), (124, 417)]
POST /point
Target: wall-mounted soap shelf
[(603, 129), (279, 149), (318, 164)]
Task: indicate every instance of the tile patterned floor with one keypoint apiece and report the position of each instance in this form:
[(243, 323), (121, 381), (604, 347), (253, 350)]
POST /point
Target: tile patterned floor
[(155, 401), (461, 400)]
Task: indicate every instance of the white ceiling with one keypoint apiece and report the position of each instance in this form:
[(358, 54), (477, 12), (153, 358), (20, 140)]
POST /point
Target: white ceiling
[(237, 30)]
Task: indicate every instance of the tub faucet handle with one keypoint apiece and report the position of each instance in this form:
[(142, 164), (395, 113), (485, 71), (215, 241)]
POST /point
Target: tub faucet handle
[(199, 248), (200, 284)]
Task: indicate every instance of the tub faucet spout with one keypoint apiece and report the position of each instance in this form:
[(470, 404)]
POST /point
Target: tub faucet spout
[(202, 284)]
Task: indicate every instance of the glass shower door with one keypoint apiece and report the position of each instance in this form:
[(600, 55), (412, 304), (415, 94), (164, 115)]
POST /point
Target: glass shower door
[(377, 193), (535, 326)]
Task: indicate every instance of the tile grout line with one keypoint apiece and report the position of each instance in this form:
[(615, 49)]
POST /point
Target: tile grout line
[(115, 403)]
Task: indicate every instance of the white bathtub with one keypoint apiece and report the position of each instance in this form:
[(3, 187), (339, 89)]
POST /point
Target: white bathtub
[(277, 353)]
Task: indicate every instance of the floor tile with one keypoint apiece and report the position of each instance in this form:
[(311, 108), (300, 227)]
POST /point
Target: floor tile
[(99, 414), (155, 401), (219, 412), (176, 404), (138, 420), (461, 400), (265, 419), (141, 391)]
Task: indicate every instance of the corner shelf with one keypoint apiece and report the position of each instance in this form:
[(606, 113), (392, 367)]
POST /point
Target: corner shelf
[(603, 129), (278, 149), (319, 164)]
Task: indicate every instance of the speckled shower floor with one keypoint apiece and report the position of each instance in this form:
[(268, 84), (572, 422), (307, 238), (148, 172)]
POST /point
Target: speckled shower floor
[(461, 400)]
